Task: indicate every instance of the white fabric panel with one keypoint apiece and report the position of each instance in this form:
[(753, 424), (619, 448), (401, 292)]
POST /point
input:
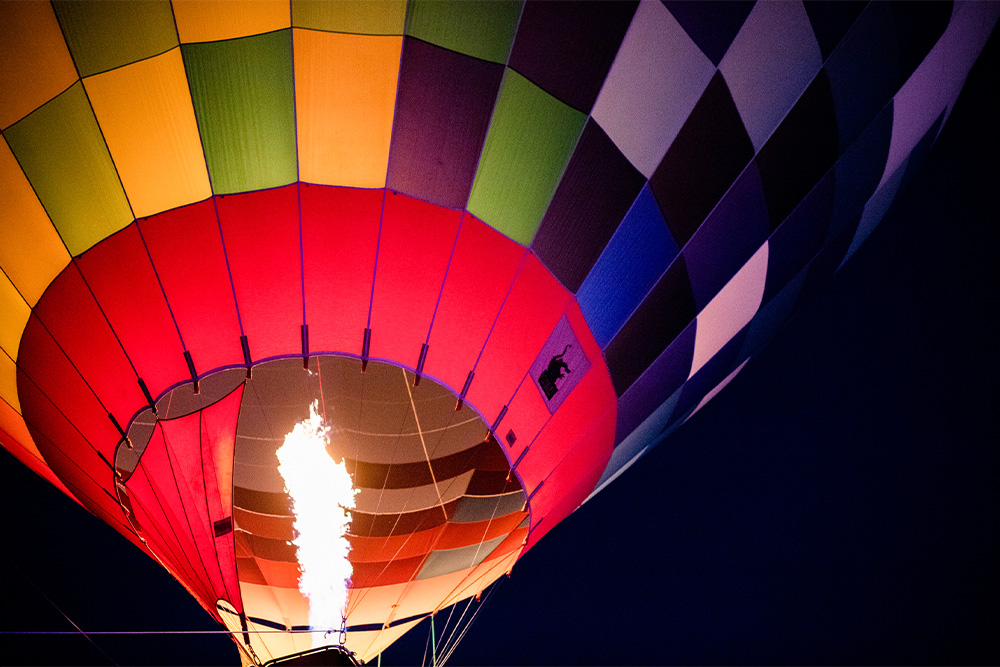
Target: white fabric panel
[(657, 77), (772, 60)]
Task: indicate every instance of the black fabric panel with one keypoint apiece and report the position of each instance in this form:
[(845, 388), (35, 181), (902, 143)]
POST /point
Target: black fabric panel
[(270, 549), (594, 195), (566, 48), (386, 525), (407, 475), (492, 483), (799, 237), (826, 262), (711, 25), (919, 25), (864, 71), (262, 502), (443, 108), (662, 315), (831, 19), (800, 151), (708, 154)]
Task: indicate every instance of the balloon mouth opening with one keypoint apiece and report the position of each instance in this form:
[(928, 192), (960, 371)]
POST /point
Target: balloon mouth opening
[(437, 496)]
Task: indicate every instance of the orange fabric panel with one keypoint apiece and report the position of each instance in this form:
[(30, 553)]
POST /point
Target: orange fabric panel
[(370, 549), (14, 313), (8, 382), (279, 573), (370, 643), (31, 252), (345, 93), (465, 534), (145, 112), (212, 20), (35, 64), (28, 455)]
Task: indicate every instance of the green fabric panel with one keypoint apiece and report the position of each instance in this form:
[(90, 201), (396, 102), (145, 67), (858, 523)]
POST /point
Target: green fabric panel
[(60, 149), (244, 103), (104, 35), (530, 140), (480, 29), (361, 17)]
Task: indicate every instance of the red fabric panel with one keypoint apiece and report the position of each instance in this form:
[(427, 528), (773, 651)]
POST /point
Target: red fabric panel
[(261, 234), (571, 452), (71, 315), (414, 247), (371, 549), (200, 448), (339, 241), (397, 571), (533, 308), (161, 525), (72, 460), (119, 274), (481, 272), (43, 367), (186, 248), (526, 415), (464, 534), (169, 490)]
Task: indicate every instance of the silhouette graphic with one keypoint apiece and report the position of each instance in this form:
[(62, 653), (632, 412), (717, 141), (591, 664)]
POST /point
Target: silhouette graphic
[(554, 372)]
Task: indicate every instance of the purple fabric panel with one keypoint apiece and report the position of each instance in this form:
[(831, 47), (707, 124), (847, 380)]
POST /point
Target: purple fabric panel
[(560, 366), (657, 78), (665, 375), (566, 48), (728, 238), (443, 109), (594, 195)]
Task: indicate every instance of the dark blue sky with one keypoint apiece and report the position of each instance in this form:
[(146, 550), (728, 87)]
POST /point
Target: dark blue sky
[(836, 504)]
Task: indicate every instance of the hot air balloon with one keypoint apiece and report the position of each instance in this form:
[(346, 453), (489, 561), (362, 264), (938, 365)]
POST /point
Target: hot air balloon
[(504, 248)]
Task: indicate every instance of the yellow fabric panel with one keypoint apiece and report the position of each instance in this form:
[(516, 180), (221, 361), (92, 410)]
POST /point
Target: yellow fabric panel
[(14, 313), (345, 89), (145, 112), (361, 17), (8, 383), (35, 64), (213, 20), (31, 252)]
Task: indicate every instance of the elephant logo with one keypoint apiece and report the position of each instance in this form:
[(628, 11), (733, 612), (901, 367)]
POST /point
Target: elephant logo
[(547, 379)]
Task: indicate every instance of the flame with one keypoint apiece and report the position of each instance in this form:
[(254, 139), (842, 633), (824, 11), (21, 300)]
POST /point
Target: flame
[(322, 496)]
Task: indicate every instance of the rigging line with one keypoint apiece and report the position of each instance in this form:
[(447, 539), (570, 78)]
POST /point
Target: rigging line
[(445, 643), (468, 625), (423, 444), (56, 607)]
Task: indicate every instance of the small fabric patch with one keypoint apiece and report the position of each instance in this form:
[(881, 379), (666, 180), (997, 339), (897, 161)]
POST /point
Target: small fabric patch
[(560, 365)]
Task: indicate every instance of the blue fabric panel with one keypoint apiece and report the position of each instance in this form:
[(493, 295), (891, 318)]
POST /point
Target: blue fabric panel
[(864, 71), (793, 245), (826, 262), (665, 376), (859, 170), (875, 209), (635, 257), (831, 21), (709, 376), (730, 235), (711, 25)]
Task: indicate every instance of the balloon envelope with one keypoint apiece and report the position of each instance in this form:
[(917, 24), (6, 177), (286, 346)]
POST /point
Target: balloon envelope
[(574, 223)]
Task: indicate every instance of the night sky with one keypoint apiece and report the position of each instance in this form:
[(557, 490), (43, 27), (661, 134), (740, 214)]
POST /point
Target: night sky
[(836, 504)]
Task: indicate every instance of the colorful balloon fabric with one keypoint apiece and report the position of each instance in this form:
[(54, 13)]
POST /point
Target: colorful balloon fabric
[(549, 232)]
